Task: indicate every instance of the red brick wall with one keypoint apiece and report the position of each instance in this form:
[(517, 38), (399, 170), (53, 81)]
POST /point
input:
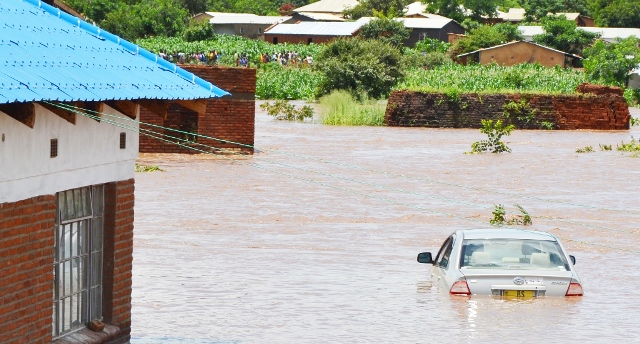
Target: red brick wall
[(118, 257), (298, 39), (26, 263), (601, 110), (27, 230), (230, 118)]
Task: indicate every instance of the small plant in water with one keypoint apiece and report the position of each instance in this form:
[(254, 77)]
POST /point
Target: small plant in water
[(282, 110), (147, 168), (495, 131), (587, 149), (546, 125), (499, 216), (632, 147), (634, 122), (605, 147)]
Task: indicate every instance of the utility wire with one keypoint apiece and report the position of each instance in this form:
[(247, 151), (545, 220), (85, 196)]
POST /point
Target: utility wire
[(188, 144)]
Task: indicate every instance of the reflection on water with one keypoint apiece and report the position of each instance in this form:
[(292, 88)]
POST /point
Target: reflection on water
[(225, 252)]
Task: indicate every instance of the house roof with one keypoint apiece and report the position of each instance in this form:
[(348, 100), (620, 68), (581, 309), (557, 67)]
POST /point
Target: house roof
[(517, 42), (244, 19), (47, 54), (317, 28), (425, 23), (608, 34), (328, 6), (321, 16)]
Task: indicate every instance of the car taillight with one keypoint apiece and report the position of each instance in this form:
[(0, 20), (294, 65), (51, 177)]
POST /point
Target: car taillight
[(460, 288), (575, 289)]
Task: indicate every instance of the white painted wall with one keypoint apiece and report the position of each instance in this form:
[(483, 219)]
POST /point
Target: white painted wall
[(88, 153)]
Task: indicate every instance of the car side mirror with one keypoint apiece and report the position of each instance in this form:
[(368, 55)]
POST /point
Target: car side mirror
[(573, 259), (425, 257)]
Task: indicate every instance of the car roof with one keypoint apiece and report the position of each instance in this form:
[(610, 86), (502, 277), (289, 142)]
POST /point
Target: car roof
[(505, 233)]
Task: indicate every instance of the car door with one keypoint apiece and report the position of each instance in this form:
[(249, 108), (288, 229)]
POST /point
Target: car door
[(442, 263)]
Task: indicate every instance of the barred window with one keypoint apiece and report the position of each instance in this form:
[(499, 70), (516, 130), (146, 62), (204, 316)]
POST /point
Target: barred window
[(77, 266)]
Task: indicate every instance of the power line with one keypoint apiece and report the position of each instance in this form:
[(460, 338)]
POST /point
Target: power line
[(189, 144)]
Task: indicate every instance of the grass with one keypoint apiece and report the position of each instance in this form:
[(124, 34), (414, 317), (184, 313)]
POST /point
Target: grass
[(340, 108)]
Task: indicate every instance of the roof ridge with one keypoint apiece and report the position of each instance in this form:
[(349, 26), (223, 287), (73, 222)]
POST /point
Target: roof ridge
[(132, 48)]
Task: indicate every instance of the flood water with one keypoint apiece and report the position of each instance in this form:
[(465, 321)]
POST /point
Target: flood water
[(314, 238)]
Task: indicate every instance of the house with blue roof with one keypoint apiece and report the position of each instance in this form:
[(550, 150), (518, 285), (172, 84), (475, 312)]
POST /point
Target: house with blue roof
[(71, 96)]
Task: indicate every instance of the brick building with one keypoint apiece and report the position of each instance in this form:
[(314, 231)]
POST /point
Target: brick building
[(70, 102)]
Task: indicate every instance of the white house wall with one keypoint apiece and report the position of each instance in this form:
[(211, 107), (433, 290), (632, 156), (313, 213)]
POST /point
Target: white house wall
[(88, 153)]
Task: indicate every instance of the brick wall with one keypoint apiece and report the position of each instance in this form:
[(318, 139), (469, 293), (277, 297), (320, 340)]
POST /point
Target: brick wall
[(118, 257), (230, 118), (604, 110), (27, 230), (26, 262)]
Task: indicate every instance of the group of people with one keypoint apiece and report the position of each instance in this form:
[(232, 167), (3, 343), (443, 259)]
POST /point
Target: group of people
[(241, 59), (284, 58), (179, 57)]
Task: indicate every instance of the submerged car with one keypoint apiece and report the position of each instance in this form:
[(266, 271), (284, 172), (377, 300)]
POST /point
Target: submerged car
[(504, 262)]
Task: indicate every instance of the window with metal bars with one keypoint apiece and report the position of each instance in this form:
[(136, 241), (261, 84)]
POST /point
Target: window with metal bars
[(77, 266)]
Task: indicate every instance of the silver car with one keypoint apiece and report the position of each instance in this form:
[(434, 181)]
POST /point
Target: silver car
[(504, 262)]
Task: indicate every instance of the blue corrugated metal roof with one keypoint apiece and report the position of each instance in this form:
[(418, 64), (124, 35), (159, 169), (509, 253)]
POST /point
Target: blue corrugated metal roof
[(46, 54)]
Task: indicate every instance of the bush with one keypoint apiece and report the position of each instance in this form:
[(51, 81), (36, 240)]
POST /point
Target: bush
[(198, 32), (340, 108), (366, 68)]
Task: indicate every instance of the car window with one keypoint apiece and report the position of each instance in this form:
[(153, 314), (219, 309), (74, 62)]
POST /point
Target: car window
[(513, 254), (442, 260)]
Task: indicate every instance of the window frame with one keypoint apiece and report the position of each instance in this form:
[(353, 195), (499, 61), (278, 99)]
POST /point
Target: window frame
[(78, 249)]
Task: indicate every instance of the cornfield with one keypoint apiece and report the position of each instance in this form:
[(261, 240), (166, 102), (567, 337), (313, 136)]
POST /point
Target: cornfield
[(227, 46), (279, 82), (523, 78)]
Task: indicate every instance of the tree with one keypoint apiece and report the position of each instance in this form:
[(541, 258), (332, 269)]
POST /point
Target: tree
[(458, 10), (385, 29), (620, 14), (485, 36), (448, 8), (366, 68), (368, 8), (610, 63), (147, 18), (195, 6), (564, 35), (198, 32), (538, 9)]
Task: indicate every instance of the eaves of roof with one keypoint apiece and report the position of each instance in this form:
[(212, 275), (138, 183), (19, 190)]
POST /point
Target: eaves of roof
[(47, 54)]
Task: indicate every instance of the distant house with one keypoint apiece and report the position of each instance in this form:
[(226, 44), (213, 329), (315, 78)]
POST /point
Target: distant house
[(517, 15), (634, 78), (70, 101), (240, 24), (246, 26), (436, 27), (312, 32), (333, 7), (607, 34), (513, 53)]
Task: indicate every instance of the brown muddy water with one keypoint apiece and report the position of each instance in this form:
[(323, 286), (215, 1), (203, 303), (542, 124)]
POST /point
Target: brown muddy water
[(314, 238)]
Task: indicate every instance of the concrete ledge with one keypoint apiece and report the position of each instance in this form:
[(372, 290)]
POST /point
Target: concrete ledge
[(86, 336)]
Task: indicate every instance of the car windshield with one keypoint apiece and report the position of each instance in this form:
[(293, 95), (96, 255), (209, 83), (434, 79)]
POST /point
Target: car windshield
[(512, 254)]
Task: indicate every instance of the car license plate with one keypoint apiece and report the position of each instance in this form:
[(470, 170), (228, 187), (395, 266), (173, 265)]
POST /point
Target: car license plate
[(519, 293)]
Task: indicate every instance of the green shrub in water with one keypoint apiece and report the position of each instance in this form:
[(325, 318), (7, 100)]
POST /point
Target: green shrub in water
[(340, 108)]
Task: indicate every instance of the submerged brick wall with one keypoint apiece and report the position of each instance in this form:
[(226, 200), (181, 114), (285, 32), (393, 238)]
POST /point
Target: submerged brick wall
[(604, 109), (230, 118), (26, 262)]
